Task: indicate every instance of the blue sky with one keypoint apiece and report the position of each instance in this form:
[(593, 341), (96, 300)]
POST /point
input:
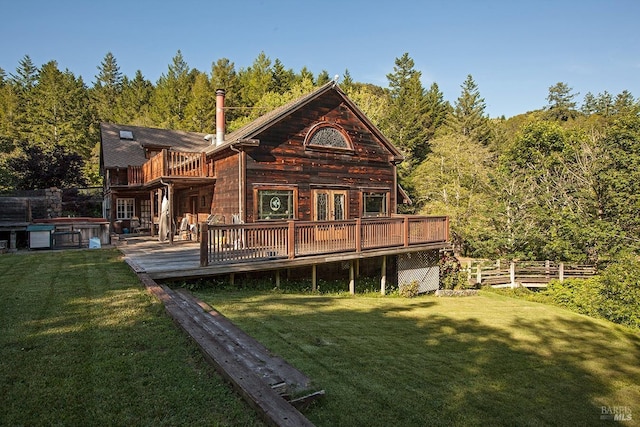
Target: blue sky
[(515, 50)]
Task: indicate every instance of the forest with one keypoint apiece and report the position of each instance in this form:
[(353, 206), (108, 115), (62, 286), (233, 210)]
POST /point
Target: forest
[(561, 182)]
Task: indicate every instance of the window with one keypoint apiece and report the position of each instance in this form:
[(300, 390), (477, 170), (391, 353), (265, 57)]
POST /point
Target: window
[(375, 203), (327, 136), (124, 208), (275, 204)]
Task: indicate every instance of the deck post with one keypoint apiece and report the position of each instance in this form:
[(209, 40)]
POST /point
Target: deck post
[(561, 272), (478, 274), (405, 228), (358, 234), (512, 274), (314, 278), (291, 239), (383, 276), (204, 244), (232, 279), (352, 279), (152, 227), (277, 279), (171, 213)]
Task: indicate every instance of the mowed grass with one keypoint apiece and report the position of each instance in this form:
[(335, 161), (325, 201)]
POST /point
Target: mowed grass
[(83, 344), (474, 361)]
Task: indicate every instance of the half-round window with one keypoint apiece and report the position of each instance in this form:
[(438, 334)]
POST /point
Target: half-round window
[(327, 136)]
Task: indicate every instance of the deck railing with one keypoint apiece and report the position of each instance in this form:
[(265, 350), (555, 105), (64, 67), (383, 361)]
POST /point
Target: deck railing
[(293, 239), (174, 163)]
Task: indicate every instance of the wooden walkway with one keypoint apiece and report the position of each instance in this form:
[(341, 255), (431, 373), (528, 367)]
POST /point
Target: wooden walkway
[(275, 389)]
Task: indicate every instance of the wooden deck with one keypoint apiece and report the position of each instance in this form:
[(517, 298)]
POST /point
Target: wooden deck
[(181, 259)]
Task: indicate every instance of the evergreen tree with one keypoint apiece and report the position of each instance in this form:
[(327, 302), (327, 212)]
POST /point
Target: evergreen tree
[(406, 124), (346, 82), (135, 101), (624, 103), (305, 74), (60, 113), (172, 94), (281, 78), (255, 81), (107, 89), (468, 117), (437, 109), (224, 76), (201, 110), (26, 75), (561, 105), (323, 78), (589, 104)]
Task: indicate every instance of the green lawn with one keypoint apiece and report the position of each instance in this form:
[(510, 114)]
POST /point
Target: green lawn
[(485, 360), (83, 344)]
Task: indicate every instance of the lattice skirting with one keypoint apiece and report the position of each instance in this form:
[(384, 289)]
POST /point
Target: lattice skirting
[(422, 267)]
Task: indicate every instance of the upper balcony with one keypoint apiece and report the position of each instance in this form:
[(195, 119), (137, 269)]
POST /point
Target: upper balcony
[(169, 163)]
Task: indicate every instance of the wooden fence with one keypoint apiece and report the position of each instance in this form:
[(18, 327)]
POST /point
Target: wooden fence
[(525, 273), (293, 239)]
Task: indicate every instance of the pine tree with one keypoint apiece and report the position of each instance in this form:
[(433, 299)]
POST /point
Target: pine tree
[(107, 89), (468, 117), (561, 105), (323, 78), (346, 83), (135, 101), (305, 74), (172, 94), (255, 81), (406, 124), (201, 110), (61, 113), (437, 109), (281, 78)]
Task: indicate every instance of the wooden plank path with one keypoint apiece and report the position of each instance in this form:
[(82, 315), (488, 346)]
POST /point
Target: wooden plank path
[(269, 384)]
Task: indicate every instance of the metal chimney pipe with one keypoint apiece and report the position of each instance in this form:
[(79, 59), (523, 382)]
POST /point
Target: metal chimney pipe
[(220, 93)]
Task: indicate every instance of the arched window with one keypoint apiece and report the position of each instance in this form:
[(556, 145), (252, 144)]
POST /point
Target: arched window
[(328, 136)]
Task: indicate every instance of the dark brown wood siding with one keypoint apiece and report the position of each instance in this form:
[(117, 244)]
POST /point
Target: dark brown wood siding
[(225, 195), (283, 159)]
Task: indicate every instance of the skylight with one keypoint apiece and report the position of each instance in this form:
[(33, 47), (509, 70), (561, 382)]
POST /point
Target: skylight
[(126, 134)]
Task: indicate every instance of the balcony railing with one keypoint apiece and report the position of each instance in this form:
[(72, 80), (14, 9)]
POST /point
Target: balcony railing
[(294, 239), (169, 163)]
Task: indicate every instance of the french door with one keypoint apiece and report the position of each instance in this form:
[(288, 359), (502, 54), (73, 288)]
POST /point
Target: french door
[(330, 205)]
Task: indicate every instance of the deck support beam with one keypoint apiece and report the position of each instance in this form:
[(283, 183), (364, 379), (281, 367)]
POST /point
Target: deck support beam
[(383, 276), (278, 279), (352, 279), (314, 277)]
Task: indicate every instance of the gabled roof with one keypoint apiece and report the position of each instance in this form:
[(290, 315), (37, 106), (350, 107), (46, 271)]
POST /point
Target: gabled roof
[(123, 152), (254, 128)]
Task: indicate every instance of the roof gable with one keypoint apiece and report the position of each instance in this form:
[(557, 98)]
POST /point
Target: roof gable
[(251, 130)]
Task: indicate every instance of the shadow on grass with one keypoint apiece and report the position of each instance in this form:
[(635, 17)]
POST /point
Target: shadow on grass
[(399, 362), (82, 343)]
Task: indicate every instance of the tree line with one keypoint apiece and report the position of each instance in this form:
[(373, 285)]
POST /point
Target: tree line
[(561, 182)]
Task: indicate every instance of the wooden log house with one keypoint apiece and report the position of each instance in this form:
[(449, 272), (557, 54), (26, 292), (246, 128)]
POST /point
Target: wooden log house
[(316, 164)]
